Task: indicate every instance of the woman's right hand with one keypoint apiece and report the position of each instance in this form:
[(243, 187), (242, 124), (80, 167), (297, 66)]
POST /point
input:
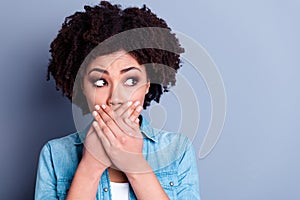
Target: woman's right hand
[(90, 169), (93, 152)]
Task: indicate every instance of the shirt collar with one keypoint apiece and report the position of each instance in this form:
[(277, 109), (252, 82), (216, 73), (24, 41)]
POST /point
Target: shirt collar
[(145, 128)]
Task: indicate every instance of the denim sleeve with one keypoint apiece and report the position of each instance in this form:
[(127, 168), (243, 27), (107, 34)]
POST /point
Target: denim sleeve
[(188, 182), (45, 187)]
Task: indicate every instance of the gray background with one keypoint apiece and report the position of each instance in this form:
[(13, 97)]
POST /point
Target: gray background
[(256, 47)]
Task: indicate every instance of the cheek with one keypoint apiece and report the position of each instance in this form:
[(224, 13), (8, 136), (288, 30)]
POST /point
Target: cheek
[(100, 96), (138, 95), (90, 98), (94, 96)]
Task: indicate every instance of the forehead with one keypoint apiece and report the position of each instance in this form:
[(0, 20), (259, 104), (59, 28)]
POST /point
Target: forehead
[(116, 60)]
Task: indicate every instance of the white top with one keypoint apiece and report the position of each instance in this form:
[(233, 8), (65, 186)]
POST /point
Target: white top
[(119, 191)]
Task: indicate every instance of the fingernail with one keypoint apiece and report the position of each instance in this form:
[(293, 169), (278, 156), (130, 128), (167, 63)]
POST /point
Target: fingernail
[(97, 107), (139, 108), (95, 113), (95, 124), (137, 120), (129, 103), (136, 103), (103, 106)]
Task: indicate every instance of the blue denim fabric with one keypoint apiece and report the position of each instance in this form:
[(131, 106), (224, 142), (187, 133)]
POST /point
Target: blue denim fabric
[(170, 155)]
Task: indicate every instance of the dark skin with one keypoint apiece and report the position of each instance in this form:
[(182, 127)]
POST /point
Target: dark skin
[(117, 176)]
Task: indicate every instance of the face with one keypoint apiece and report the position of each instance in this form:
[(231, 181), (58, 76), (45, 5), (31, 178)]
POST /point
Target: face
[(114, 79)]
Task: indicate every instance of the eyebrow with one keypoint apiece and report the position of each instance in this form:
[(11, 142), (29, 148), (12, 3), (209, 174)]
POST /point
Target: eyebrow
[(121, 72)]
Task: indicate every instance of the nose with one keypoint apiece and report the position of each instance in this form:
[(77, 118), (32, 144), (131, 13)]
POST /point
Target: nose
[(116, 96)]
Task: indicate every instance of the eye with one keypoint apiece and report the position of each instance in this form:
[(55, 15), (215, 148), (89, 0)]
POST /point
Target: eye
[(131, 81), (100, 83)]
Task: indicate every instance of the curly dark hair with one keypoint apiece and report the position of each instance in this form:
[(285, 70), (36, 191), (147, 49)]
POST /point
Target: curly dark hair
[(82, 32)]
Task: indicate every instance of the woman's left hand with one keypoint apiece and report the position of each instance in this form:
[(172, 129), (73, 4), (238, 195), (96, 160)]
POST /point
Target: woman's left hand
[(121, 137)]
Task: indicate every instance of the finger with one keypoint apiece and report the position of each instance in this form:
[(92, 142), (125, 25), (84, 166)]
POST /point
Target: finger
[(107, 122), (105, 113), (104, 136), (134, 127), (137, 121), (96, 115), (128, 112), (133, 121), (106, 109), (121, 120), (131, 126), (99, 119), (119, 111), (135, 114), (90, 131), (95, 147), (119, 124)]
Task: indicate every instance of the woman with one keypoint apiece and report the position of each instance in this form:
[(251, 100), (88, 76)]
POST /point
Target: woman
[(119, 155)]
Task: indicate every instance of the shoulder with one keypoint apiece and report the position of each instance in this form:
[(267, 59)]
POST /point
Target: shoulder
[(170, 147), (61, 152), (66, 147), (66, 141), (161, 136), (174, 138)]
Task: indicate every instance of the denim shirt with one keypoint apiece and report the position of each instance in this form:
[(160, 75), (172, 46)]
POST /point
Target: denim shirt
[(170, 155)]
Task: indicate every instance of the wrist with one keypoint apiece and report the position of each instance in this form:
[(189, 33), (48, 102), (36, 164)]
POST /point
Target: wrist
[(91, 166), (141, 169)]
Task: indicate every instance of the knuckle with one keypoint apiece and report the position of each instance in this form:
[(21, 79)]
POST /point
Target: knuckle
[(110, 122), (97, 117), (107, 120), (105, 129), (100, 126)]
